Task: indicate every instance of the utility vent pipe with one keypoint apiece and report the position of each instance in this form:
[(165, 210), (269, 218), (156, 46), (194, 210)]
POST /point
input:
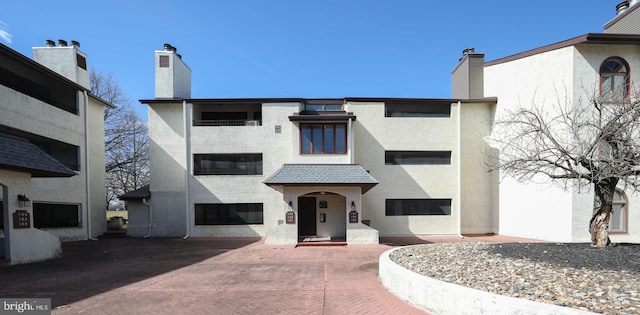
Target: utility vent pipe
[(622, 7)]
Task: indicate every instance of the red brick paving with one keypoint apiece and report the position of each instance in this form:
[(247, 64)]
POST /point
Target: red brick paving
[(212, 276)]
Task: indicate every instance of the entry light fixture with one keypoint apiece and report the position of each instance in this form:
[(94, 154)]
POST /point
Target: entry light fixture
[(24, 201), (353, 205), (290, 203)]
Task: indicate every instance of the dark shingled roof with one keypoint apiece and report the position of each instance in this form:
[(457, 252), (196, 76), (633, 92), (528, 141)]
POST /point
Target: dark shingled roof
[(322, 175), (21, 156), (140, 193)]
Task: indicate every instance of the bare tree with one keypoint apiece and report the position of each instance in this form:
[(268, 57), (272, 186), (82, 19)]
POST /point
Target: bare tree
[(126, 139), (595, 142)]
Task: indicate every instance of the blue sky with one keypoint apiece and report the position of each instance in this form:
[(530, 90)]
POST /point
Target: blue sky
[(298, 48)]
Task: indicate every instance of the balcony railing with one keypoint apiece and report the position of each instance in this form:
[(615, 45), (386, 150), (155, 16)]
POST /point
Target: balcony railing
[(227, 122)]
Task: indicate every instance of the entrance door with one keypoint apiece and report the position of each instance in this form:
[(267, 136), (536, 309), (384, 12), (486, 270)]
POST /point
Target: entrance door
[(306, 216)]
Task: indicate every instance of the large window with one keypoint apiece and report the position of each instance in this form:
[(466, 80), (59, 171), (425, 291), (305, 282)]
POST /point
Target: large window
[(228, 213), (323, 138), (227, 164), (398, 207), (618, 223), (417, 157), (426, 109), (614, 79), (51, 215), (38, 84), (322, 107)]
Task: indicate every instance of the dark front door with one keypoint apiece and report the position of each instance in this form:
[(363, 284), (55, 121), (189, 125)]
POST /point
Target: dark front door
[(306, 216)]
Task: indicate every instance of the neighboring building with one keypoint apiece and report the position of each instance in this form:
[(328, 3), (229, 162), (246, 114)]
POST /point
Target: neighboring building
[(592, 64), (286, 169), (51, 152)]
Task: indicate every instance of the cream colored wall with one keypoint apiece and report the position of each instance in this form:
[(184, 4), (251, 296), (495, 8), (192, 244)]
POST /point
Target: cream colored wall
[(40, 118), (25, 244), (571, 73), (276, 151), (167, 157), (335, 214), (96, 168), (538, 211), (478, 198), (375, 133)]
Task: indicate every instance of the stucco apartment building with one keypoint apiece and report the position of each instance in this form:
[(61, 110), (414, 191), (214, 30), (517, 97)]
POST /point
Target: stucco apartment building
[(290, 169), (51, 152), (601, 64)]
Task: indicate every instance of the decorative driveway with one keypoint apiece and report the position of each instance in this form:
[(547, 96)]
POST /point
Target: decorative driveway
[(206, 276)]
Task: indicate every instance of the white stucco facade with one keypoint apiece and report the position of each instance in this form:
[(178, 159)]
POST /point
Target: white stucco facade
[(182, 129), (568, 72), (70, 128)]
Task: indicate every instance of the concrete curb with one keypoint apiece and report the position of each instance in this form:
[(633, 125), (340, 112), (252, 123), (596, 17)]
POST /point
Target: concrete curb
[(439, 297)]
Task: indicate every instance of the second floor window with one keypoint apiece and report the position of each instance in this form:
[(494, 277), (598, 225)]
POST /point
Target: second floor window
[(227, 164), (614, 80), (323, 138)]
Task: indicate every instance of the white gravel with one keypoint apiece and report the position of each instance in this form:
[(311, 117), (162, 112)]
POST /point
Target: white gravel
[(573, 275)]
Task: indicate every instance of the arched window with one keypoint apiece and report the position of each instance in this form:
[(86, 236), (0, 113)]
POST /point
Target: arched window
[(614, 79), (618, 222)]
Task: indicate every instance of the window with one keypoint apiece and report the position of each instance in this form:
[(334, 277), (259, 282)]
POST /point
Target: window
[(229, 213), (227, 164), (39, 86), (322, 107), (323, 138), (614, 79), (426, 109), (618, 223), (51, 215), (396, 207), (417, 158)]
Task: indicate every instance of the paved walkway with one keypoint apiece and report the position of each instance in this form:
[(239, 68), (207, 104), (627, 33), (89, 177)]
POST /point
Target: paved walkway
[(211, 276)]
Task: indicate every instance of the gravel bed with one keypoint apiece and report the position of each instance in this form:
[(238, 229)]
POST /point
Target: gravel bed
[(601, 280)]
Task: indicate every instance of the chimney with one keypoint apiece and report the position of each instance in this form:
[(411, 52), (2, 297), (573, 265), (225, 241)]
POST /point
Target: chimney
[(467, 79), (67, 61), (172, 75)]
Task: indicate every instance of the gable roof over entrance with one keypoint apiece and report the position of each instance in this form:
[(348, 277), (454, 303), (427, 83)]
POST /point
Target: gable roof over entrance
[(22, 156), (322, 175)]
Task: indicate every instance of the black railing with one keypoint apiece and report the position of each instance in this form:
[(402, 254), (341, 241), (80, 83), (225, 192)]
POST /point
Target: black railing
[(227, 122)]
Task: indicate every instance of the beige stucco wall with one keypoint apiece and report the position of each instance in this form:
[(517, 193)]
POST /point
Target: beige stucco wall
[(372, 135), (375, 134), (478, 187), (37, 117), (167, 157), (25, 244), (545, 211)]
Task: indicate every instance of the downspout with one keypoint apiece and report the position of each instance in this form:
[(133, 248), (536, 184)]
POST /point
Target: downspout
[(86, 166), (187, 172), (144, 201), (459, 153), (350, 140)]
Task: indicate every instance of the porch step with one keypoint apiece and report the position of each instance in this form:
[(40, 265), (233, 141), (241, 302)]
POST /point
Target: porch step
[(321, 241), (327, 243)]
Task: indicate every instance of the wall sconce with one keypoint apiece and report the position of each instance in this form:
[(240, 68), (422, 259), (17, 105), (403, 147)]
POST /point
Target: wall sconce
[(24, 201), (353, 205), (290, 204)]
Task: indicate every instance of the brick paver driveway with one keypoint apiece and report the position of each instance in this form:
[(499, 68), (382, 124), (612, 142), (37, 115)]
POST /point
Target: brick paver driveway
[(206, 276)]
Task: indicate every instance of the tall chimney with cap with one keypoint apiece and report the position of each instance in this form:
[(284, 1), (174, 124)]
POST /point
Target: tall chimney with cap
[(67, 61), (173, 76), (467, 79)]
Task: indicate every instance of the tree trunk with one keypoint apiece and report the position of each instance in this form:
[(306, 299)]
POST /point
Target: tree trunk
[(603, 205)]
